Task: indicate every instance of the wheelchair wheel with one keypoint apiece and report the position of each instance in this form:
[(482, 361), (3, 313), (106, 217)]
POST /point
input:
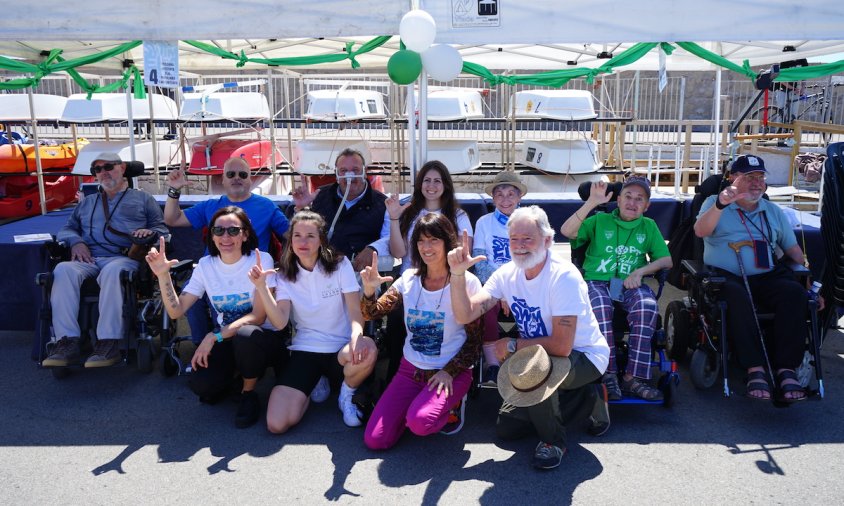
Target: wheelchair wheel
[(668, 386), (704, 369), (144, 354), (678, 333)]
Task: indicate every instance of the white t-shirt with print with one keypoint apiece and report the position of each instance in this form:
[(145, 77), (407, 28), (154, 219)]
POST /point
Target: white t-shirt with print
[(433, 336), (558, 290), (491, 236), (318, 307), (228, 286), (463, 223)]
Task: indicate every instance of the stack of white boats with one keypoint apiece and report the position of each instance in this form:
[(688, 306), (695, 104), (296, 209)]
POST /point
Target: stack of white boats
[(312, 155)]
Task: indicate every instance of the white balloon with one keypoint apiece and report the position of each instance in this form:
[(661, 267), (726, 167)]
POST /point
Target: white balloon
[(417, 30), (442, 62)]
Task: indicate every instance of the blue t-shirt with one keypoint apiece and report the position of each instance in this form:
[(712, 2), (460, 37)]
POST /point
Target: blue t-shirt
[(262, 212), (766, 223)]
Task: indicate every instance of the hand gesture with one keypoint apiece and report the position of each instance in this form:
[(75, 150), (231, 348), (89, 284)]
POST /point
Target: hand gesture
[(80, 253), (257, 274), (157, 259), (735, 191), (302, 197), (200, 356), (460, 258), (443, 383), (371, 278), (598, 193), (176, 179), (394, 206)]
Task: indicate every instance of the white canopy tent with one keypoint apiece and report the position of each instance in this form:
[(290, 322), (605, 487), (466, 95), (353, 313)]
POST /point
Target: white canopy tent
[(530, 34)]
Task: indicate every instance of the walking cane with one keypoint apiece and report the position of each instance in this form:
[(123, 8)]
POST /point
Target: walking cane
[(736, 247)]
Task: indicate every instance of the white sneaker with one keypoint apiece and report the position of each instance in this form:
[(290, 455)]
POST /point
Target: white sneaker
[(351, 413), (321, 391)]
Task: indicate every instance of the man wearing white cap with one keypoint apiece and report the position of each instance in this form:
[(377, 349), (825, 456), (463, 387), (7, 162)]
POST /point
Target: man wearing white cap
[(550, 302), (99, 232)]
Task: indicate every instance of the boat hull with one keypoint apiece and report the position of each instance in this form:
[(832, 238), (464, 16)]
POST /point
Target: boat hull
[(21, 199), (256, 154), (20, 158)]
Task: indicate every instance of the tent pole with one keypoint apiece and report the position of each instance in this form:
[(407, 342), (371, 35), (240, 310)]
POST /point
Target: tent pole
[(716, 128), (154, 142), (42, 194), (423, 117), (271, 93), (677, 169), (411, 133), (131, 123)]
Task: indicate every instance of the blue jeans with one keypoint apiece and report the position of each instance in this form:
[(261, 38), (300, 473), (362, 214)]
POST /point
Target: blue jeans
[(197, 316)]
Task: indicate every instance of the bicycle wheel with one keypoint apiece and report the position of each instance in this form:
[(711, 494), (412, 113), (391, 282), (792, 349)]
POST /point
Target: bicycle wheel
[(765, 115)]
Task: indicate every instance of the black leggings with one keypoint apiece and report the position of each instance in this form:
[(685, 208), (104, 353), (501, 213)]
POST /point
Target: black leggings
[(249, 352)]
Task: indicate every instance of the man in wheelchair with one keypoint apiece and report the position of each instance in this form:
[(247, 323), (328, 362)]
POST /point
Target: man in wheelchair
[(743, 236), (620, 245), (100, 232)]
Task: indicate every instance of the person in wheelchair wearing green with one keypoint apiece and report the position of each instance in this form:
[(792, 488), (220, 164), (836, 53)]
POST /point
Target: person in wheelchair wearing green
[(623, 247)]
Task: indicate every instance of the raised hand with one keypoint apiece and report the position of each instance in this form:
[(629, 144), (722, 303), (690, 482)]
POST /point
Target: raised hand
[(598, 193), (257, 274), (460, 258), (176, 179), (394, 206), (371, 278), (157, 259), (302, 196), (736, 191)]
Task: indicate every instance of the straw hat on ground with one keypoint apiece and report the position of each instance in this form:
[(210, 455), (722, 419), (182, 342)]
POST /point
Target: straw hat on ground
[(530, 376)]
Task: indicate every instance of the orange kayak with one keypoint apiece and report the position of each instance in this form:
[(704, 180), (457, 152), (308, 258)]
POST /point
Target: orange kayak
[(20, 158), (19, 194)]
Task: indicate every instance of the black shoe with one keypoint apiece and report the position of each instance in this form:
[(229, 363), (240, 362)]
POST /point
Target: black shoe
[(248, 411), (547, 456)]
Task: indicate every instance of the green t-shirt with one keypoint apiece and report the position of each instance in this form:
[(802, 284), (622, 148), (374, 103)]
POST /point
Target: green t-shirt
[(616, 247)]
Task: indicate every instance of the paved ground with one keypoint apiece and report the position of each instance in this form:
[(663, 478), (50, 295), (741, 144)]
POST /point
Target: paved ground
[(117, 436)]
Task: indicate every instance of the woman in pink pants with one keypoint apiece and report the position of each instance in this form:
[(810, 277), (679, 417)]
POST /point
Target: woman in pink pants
[(438, 354)]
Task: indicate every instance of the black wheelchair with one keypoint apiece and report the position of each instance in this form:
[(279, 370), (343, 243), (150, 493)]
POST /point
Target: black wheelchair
[(698, 321)]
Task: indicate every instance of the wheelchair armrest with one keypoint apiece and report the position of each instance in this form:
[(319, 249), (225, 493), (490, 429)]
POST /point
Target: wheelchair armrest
[(798, 269), (182, 266), (44, 279)]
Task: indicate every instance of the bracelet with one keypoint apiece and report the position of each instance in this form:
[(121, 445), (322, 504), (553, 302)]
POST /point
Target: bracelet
[(578, 216), (219, 336), (718, 204), (395, 219), (173, 193), (457, 275)]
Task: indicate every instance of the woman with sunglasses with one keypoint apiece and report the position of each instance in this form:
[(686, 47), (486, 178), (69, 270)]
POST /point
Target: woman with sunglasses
[(435, 371), (317, 286), (245, 343), (433, 192)]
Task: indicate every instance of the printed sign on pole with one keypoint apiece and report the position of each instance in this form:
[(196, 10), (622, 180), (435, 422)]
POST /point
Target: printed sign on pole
[(161, 63), (663, 75)]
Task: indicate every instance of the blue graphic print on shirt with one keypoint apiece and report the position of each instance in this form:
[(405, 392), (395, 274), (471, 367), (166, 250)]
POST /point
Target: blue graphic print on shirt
[(232, 306), (529, 319), (427, 328), (500, 250)]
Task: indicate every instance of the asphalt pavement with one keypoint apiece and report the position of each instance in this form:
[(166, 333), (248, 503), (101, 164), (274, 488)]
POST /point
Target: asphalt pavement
[(118, 436)]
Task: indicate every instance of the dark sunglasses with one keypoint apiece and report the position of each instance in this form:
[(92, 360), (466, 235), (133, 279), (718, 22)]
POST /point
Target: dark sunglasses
[(96, 169), (241, 174), (232, 231)]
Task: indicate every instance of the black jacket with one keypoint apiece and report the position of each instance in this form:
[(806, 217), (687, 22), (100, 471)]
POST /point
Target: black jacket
[(358, 226)]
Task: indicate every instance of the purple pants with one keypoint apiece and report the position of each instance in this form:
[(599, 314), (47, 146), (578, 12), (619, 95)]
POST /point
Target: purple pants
[(642, 310), (407, 403)]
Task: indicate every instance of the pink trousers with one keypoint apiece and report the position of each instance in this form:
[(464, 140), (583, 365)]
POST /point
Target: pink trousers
[(407, 403)]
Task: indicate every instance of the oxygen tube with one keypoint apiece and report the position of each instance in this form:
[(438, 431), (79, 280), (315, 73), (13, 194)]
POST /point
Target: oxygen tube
[(348, 178)]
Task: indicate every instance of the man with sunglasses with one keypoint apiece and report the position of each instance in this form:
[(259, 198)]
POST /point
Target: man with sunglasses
[(265, 215), (99, 232), (363, 226), (737, 214)]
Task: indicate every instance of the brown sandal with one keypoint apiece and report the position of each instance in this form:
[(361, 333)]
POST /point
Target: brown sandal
[(640, 389)]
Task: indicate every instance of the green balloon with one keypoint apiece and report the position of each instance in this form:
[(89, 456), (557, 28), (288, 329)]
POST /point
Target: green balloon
[(404, 66)]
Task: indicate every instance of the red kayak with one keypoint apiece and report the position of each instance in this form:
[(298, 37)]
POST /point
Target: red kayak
[(19, 196), (256, 153)]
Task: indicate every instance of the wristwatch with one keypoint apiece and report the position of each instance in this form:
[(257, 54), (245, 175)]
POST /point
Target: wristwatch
[(219, 336), (511, 346)]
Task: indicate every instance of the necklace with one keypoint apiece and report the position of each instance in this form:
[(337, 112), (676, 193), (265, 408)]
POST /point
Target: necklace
[(442, 291)]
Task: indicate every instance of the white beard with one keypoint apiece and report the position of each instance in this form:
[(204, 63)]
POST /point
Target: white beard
[(531, 260)]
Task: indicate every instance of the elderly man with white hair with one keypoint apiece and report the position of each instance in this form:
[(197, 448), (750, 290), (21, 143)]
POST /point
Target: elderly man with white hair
[(550, 303)]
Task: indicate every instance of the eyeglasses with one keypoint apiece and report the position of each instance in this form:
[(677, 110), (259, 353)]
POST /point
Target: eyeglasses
[(96, 169), (755, 179), (241, 174), (232, 231)]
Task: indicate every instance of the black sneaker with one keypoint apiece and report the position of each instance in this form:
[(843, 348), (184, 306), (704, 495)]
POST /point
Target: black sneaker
[(106, 353), (248, 411), (491, 375), (548, 456), (66, 351), (455, 419)]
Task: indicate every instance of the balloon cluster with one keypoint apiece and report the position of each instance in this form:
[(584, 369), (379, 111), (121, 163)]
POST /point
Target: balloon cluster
[(441, 61)]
